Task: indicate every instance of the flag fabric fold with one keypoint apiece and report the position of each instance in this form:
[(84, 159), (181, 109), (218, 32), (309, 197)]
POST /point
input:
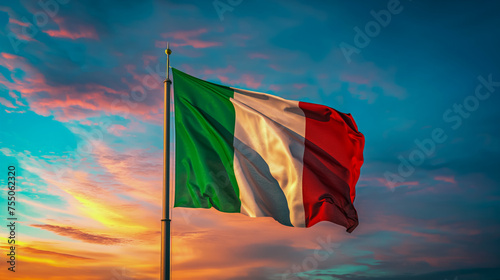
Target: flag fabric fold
[(247, 152)]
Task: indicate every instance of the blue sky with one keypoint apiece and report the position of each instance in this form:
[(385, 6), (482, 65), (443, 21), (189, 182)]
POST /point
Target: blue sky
[(81, 118)]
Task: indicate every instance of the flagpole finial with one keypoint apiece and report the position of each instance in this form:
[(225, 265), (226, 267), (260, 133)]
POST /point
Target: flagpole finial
[(168, 51)]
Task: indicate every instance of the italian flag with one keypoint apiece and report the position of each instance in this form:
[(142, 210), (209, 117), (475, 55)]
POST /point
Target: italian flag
[(247, 152)]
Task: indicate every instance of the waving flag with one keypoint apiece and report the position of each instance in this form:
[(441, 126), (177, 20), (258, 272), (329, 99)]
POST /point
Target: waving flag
[(247, 152)]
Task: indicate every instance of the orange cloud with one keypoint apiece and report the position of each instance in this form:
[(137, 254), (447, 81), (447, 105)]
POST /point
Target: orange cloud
[(52, 254), (80, 235)]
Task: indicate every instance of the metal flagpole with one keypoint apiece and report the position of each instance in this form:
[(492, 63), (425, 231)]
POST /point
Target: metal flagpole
[(165, 221)]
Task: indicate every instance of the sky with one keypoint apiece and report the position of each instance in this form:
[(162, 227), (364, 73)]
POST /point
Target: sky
[(81, 111)]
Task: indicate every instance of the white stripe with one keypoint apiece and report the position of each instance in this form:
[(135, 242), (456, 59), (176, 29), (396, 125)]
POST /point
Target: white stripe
[(268, 159)]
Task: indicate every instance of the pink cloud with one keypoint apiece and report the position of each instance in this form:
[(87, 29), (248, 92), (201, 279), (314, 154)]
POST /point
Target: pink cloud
[(77, 102), (225, 79), (405, 225), (187, 68), (362, 79), (88, 122), (197, 44), (251, 81), (275, 87), (380, 181), (84, 32), (146, 80), (19, 103), (161, 44), (239, 39), (17, 27), (361, 94), (299, 86), (95, 103), (322, 76), (15, 21), (137, 172), (13, 94), (12, 62), (275, 67), (149, 58), (10, 56), (7, 103), (190, 38), (246, 79), (184, 35), (117, 129), (258, 56), (219, 71), (448, 179), (358, 79)]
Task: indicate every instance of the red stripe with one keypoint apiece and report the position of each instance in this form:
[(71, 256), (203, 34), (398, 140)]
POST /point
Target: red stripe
[(332, 159)]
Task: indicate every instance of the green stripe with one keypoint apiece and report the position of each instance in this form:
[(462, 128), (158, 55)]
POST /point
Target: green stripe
[(204, 125)]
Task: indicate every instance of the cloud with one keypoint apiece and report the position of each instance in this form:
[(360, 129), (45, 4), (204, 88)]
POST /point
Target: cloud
[(258, 56), (78, 234), (95, 198), (218, 71), (63, 33), (366, 81), (117, 129), (71, 31), (190, 38), (448, 179), (7, 103), (275, 87), (139, 172), (10, 56), (15, 21), (81, 101), (372, 181), (53, 254), (250, 81), (299, 86)]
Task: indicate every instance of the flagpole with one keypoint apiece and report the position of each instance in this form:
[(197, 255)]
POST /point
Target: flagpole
[(165, 221)]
